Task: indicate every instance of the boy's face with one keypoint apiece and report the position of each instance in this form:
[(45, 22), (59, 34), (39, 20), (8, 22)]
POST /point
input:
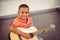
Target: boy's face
[(23, 12)]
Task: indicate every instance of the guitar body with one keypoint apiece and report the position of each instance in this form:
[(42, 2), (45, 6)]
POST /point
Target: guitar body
[(15, 36)]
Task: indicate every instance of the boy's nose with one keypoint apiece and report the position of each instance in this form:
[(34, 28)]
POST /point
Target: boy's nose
[(24, 13)]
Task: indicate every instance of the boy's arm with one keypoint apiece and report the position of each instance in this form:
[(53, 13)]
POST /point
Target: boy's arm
[(13, 29)]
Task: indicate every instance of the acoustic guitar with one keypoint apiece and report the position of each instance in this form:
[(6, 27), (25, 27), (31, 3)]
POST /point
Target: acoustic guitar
[(31, 29)]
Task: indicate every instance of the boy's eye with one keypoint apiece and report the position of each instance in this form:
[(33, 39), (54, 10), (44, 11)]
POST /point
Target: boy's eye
[(25, 12), (22, 12)]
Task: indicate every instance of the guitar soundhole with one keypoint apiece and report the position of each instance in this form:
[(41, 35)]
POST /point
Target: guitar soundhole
[(20, 37)]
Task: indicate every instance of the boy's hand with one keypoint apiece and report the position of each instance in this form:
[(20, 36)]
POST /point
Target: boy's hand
[(52, 26), (44, 31), (27, 35)]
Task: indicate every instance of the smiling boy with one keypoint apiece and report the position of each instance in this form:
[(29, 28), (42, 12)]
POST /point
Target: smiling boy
[(23, 20)]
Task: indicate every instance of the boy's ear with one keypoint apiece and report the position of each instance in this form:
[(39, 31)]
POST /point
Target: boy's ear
[(18, 12)]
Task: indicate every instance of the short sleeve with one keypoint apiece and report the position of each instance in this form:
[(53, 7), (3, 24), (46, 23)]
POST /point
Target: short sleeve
[(16, 23), (30, 22)]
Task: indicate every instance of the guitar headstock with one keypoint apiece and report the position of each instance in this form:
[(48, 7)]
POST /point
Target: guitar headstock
[(52, 26)]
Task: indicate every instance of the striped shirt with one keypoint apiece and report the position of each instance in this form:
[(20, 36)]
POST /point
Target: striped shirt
[(19, 22)]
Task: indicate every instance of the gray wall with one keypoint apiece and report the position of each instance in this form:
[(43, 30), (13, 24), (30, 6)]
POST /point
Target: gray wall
[(40, 20)]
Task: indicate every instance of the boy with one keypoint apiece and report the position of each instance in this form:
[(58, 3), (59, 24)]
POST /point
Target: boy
[(23, 20)]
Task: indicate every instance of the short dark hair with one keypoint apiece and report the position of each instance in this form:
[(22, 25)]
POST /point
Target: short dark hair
[(23, 5)]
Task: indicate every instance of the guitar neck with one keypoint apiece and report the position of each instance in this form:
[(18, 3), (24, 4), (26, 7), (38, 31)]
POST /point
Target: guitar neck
[(40, 31)]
